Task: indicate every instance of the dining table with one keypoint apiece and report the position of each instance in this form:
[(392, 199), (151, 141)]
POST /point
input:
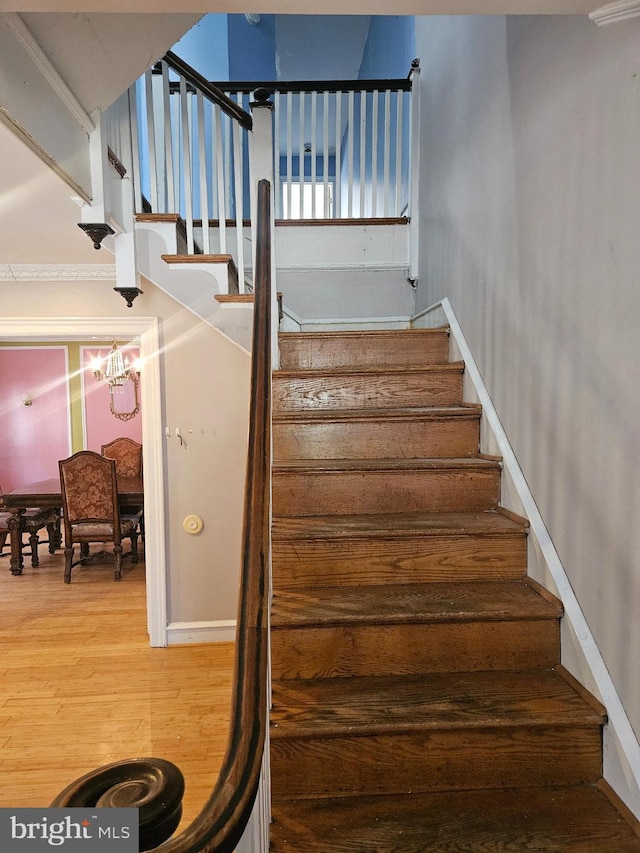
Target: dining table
[(48, 495)]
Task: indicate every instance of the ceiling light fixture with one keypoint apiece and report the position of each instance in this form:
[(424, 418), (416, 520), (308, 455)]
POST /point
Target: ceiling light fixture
[(115, 373)]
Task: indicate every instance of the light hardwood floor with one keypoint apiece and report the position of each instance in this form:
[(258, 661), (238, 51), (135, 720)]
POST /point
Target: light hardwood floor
[(80, 686)]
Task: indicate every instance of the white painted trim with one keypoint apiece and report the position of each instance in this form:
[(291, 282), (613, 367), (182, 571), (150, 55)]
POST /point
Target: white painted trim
[(57, 272), (414, 174), (353, 324), (146, 329), (620, 740), (255, 838), (340, 323), (374, 266), (39, 58), (221, 631), (613, 13)]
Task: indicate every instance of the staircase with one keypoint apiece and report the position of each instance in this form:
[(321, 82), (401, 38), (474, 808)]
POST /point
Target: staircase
[(418, 699)]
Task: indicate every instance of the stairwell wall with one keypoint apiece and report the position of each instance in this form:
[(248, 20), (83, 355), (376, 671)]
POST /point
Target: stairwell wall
[(529, 195)]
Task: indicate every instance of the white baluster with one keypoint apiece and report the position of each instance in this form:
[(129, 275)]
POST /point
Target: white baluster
[(151, 142), (363, 149), (374, 155), (239, 190), (135, 147), (350, 135), (386, 153), (399, 139), (337, 205), (301, 157), (204, 183), (222, 214), (186, 164), (289, 151), (277, 188), (325, 154), (172, 202), (314, 127)]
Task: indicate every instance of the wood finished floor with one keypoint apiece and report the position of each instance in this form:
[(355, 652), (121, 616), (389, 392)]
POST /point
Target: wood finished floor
[(80, 686)]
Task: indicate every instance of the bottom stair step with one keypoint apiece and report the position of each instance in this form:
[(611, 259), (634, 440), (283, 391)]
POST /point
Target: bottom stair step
[(577, 818)]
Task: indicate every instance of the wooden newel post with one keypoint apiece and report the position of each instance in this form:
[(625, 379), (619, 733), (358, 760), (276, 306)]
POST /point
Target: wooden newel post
[(261, 167)]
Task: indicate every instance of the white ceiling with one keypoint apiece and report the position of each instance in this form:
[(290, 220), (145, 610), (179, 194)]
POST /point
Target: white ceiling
[(100, 55)]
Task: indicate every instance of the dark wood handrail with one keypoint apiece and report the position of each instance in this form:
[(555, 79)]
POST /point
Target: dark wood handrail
[(397, 84), (209, 89), (224, 817), (220, 824)]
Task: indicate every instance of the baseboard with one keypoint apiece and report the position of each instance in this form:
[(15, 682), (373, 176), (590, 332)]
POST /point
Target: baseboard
[(181, 633), (291, 322), (580, 654)]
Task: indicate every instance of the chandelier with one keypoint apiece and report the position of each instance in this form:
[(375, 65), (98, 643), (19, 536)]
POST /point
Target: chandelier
[(115, 373)]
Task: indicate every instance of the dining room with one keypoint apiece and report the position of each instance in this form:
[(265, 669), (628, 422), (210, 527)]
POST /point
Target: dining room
[(60, 400)]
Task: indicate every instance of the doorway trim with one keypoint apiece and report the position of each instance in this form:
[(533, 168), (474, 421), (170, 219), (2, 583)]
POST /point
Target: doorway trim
[(146, 330)]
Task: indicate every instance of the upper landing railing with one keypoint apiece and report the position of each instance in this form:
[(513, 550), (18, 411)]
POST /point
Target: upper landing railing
[(342, 150)]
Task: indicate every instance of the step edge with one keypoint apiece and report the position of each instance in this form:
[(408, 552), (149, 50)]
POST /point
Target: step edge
[(320, 373), (282, 731), (401, 531), (279, 622), (424, 413), (358, 334), (387, 465)]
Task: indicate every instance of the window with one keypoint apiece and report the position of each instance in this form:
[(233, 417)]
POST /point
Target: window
[(302, 195)]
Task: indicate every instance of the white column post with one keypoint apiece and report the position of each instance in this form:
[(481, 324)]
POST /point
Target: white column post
[(98, 210), (261, 166), (127, 275), (414, 171)]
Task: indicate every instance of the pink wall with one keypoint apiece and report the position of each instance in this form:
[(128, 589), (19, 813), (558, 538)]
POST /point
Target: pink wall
[(101, 426), (34, 437)]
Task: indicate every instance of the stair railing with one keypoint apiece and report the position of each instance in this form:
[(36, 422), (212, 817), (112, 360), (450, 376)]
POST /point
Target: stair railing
[(340, 150), (193, 143), (341, 147), (236, 815)]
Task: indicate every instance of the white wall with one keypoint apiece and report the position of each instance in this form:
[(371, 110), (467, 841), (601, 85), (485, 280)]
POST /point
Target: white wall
[(205, 392), (530, 204)]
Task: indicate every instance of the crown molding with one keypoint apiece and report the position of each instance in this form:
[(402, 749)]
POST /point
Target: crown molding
[(57, 272), (613, 13)]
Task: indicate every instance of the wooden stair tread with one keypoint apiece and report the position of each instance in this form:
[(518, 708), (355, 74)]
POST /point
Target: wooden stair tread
[(363, 705), (372, 334), (552, 819), (418, 699), (411, 603), (310, 373), (403, 413), (402, 525), (441, 463)]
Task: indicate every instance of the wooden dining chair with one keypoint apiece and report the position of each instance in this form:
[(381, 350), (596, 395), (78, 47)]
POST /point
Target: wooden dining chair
[(32, 521), (127, 455), (91, 513)]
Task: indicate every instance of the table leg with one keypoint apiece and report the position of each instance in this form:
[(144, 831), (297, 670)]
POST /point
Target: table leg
[(15, 534)]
